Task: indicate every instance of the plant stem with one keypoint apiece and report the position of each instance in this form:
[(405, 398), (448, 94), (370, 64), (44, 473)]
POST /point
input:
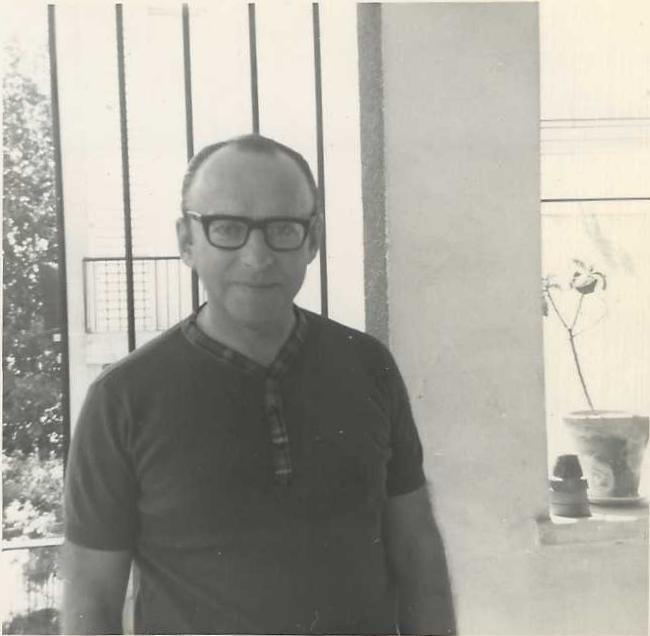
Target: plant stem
[(556, 310), (578, 308), (577, 361)]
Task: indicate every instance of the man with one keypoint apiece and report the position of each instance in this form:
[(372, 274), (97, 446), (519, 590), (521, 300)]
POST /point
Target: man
[(257, 462)]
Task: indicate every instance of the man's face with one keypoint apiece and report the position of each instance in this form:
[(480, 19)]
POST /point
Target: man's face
[(253, 284)]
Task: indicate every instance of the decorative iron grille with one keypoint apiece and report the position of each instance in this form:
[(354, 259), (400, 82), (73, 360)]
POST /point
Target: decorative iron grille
[(160, 284)]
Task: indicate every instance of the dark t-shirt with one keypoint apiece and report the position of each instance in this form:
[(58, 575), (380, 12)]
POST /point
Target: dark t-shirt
[(171, 458)]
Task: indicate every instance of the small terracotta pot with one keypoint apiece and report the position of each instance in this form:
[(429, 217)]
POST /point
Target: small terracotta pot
[(567, 489), (610, 445)]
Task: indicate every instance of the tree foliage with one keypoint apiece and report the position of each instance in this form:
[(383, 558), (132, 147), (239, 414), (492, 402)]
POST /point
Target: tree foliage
[(31, 357), (31, 490), (32, 464)]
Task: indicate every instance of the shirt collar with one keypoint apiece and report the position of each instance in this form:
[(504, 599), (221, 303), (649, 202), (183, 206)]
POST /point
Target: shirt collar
[(279, 366), (292, 346)]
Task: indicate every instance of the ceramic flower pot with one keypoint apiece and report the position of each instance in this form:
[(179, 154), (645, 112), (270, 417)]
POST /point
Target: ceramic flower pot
[(610, 445)]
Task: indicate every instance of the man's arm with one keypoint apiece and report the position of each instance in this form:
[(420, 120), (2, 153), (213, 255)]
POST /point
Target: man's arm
[(93, 590), (417, 560)]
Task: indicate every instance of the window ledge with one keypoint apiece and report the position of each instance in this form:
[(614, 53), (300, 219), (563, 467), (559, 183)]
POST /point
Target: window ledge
[(611, 524)]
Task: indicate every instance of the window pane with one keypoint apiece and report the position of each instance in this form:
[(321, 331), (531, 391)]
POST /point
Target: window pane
[(614, 340)]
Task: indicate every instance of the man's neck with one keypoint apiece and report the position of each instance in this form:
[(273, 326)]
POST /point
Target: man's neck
[(259, 341)]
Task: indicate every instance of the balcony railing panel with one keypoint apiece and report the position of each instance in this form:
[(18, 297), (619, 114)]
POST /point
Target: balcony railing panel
[(32, 587), (161, 293)]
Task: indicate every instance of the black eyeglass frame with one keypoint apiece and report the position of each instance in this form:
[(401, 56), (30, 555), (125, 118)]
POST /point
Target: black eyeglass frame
[(252, 224)]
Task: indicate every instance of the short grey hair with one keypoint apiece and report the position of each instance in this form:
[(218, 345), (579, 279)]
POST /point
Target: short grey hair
[(253, 143)]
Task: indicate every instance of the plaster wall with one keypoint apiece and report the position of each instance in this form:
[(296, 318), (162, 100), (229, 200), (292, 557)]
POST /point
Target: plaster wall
[(457, 142)]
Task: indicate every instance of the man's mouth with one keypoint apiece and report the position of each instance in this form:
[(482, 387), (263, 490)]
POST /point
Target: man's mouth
[(255, 285)]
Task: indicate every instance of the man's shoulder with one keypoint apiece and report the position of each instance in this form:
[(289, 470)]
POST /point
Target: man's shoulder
[(148, 361), (334, 335)]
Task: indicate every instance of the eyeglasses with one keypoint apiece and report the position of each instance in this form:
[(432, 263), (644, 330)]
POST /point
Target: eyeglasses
[(227, 232)]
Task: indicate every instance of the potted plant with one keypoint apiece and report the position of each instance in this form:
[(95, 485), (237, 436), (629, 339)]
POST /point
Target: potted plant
[(610, 444)]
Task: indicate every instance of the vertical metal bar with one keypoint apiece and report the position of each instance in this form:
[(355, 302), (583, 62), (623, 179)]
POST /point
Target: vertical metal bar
[(155, 296), (85, 265), (189, 119), (60, 223), (187, 67), (95, 319), (167, 295), (252, 43), (126, 187), (320, 156), (179, 287)]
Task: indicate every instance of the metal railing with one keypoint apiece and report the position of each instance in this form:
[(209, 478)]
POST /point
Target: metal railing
[(161, 291), (32, 586)]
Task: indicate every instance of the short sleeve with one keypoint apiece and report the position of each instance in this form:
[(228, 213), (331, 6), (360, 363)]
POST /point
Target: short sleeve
[(100, 488), (405, 472)]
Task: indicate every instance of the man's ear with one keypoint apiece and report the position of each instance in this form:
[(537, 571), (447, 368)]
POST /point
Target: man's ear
[(315, 236), (184, 237)]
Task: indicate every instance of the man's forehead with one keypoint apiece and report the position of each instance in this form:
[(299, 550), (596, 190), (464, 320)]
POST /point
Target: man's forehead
[(238, 175)]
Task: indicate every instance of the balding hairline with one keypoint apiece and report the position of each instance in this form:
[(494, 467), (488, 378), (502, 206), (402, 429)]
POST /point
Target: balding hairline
[(246, 143)]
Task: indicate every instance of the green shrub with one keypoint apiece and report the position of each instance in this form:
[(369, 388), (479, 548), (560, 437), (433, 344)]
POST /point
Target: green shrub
[(32, 494), (42, 621)]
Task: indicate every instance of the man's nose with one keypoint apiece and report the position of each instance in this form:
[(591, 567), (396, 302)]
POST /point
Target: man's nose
[(256, 253)]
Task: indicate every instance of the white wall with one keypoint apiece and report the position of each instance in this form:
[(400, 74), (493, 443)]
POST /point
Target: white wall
[(461, 161)]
